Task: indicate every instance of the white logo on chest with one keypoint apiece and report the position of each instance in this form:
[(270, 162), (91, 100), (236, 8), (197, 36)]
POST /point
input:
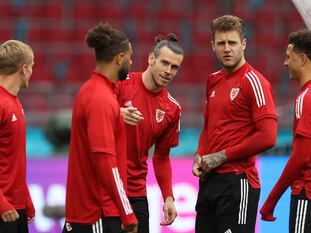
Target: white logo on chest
[(14, 118), (159, 115), (234, 93), (128, 103), (213, 93)]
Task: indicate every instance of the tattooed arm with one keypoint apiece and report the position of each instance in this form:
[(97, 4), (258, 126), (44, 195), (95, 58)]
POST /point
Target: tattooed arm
[(213, 160)]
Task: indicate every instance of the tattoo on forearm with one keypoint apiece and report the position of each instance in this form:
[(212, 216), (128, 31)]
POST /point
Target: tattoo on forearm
[(215, 159)]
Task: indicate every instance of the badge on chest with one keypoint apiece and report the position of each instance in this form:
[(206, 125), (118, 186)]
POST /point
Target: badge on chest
[(159, 115), (234, 93)]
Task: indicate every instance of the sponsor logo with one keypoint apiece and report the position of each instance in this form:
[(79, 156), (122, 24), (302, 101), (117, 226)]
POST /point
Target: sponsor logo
[(234, 93), (213, 93), (14, 117), (159, 115), (128, 103)]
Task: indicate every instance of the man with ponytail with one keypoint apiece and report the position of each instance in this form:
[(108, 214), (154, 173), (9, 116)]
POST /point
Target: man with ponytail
[(152, 117)]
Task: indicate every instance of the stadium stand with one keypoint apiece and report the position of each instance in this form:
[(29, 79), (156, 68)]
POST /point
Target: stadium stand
[(56, 30)]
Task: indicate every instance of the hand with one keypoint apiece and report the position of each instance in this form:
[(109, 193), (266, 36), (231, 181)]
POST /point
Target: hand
[(131, 115), (10, 216), (197, 169), (267, 210), (30, 219), (132, 228), (213, 160), (169, 211)]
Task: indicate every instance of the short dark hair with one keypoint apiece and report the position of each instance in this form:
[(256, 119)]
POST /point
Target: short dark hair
[(301, 41), (227, 23), (170, 41), (107, 41)]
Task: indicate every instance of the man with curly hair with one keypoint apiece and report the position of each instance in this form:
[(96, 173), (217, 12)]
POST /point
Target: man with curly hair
[(297, 172), (96, 199)]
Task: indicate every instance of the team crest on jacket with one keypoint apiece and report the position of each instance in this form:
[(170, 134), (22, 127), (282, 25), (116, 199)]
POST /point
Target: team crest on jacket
[(234, 93), (159, 115), (128, 103)]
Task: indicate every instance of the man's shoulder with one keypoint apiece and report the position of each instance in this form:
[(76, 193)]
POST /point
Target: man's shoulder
[(170, 99), (216, 74), (250, 71), (255, 78), (133, 78), (306, 97)]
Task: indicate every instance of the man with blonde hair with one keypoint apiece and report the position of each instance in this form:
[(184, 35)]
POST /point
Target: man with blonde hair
[(16, 207)]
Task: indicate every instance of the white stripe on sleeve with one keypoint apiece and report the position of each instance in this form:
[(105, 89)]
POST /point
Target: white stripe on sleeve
[(257, 88), (125, 202)]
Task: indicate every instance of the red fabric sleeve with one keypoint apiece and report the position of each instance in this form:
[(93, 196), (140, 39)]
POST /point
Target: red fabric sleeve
[(203, 136), (263, 139), (4, 204), (163, 171), (304, 123), (260, 95), (170, 137), (105, 118), (296, 164), (30, 209), (108, 174)]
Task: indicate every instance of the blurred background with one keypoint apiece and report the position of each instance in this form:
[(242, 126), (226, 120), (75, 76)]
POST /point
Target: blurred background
[(56, 31)]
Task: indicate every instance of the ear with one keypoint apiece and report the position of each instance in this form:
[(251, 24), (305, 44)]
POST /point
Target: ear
[(303, 59), (244, 42), (151, 58), (24, 68), (213, 45), (119, 58)]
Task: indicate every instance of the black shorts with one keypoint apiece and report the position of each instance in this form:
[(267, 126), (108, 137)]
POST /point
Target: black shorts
[(140, 207), (18, 226), (226, 204), (300, 214), (103, 225)]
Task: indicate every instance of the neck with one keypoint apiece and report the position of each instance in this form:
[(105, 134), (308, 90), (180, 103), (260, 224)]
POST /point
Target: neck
[(10, 84), (229, 70), (305, 76), (149, 81), (108, 71)]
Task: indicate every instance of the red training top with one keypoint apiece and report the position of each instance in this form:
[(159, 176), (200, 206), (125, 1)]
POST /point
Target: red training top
[(14, 192), (297, 171), (161, 126), (97, 156), (302, 127), (235, 103)]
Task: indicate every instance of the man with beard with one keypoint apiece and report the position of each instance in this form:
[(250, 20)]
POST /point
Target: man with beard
[(16, 207), (239, 122), (96, 199), (297, 171), (153, 118)]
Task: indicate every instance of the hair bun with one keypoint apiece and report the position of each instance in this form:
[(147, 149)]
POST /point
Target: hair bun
[(172, 37)]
